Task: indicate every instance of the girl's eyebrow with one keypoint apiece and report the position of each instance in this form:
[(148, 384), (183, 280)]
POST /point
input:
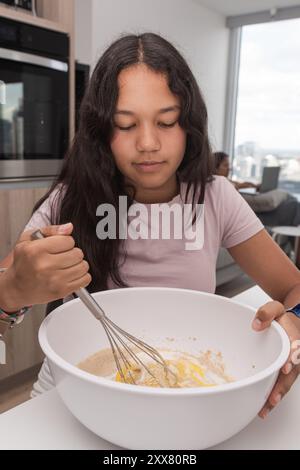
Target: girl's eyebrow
[(161, 111)]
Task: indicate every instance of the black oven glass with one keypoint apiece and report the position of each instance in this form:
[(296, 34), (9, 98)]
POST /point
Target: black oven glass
[(34, 116)]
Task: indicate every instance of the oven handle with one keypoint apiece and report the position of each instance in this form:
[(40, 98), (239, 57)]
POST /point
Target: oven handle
[(32, 59)]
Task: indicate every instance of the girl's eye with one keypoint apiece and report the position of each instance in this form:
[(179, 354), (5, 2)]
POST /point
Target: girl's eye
[(163, 124), (125, 128)]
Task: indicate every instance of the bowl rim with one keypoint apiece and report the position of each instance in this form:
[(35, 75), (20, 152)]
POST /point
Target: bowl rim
[(144, 390)]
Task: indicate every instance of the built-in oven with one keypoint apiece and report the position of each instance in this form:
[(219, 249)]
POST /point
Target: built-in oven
[(34, 100)]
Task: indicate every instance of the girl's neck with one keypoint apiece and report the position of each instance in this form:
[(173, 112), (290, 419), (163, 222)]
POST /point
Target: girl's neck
[(162, 194)]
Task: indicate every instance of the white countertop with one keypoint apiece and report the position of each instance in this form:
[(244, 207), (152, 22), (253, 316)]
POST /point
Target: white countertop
[(45, 423)]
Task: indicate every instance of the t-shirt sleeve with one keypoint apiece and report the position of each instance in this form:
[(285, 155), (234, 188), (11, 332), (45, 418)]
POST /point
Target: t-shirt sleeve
[(42, 216), (239, 222)]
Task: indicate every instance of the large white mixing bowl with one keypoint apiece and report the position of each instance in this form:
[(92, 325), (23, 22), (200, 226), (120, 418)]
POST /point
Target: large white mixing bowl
[(137, 417)]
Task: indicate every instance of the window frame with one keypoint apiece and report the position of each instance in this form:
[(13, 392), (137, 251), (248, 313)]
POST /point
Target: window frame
[(235, 24)]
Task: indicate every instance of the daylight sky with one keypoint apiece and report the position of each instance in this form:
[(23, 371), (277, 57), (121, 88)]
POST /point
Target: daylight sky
[(269, 86)]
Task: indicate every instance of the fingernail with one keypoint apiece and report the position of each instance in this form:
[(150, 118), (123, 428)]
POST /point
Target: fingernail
[(265, 413), (257, 324), (288, 368), (277, 398), (64, 228)]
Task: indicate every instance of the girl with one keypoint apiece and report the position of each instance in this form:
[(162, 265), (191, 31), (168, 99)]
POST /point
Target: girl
[(143, 135)]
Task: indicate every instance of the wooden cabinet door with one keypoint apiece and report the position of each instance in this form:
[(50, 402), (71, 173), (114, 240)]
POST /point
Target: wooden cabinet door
[(22, 347)]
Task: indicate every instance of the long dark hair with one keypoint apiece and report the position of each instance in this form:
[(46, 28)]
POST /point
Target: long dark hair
[(89, 175)]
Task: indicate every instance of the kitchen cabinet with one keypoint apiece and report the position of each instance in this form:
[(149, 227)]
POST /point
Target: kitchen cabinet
[(22, 347)]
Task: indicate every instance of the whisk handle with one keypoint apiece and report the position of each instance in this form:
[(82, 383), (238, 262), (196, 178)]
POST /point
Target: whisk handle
[(82, 293), (90, 303)]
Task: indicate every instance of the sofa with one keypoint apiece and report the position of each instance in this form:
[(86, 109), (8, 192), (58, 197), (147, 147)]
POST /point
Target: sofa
[(273, 208)]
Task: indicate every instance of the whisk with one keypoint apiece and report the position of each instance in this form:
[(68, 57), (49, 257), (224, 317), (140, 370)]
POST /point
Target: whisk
[(121, 341)]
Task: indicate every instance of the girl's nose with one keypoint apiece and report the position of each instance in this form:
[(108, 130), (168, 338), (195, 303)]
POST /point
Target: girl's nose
[(147, 140)]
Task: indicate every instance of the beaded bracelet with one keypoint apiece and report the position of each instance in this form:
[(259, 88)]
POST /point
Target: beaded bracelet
[(15, 317)]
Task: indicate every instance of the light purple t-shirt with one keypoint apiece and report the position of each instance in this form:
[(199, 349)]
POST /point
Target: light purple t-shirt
[(227, 221)]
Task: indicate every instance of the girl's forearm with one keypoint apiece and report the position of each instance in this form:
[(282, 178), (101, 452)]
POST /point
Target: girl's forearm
[(293, 297)]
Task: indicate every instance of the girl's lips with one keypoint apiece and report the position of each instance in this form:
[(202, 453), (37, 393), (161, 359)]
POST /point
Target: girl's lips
[(148, 167)]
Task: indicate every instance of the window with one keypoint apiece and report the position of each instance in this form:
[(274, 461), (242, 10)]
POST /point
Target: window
[(267, 127)]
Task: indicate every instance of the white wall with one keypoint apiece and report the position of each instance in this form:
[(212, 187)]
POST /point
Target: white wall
[(83, 31), (199, 33)]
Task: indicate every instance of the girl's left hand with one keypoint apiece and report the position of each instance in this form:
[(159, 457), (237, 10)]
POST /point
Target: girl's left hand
[(289, 372)]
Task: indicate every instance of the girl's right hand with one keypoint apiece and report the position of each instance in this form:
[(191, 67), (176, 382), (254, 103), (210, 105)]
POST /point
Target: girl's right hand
[(44, 270)]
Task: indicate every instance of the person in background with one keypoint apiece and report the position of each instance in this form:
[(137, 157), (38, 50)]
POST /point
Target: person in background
[(222, 168), (287, 214)]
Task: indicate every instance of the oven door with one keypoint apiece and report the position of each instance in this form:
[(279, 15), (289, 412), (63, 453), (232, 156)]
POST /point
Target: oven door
[(34, 114)]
